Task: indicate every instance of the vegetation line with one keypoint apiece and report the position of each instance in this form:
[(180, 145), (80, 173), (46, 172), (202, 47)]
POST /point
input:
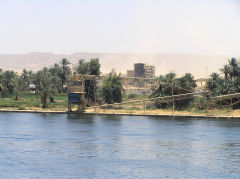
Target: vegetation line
[(46, 90)]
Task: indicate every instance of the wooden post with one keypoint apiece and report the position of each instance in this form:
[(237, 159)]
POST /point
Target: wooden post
[(79, 108), (83, 95), (69, 109), (173, 106), (95, 99)]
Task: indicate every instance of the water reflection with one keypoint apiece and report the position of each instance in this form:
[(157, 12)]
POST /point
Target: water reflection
[(81, 118), (111, 117)]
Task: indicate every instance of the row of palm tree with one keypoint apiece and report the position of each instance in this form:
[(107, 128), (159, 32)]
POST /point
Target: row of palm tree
[(48, 81), (169, 85), (228, 83), (12, 83), (231, 70)]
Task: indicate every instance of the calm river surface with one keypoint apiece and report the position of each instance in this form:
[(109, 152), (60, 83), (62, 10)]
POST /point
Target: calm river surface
[(85, 146)]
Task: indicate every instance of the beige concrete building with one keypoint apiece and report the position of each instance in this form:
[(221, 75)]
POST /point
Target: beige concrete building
[(149, 71), (142, 70), (130, 73)]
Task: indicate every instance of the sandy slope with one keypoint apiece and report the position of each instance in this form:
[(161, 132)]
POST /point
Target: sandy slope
[(179, 63)]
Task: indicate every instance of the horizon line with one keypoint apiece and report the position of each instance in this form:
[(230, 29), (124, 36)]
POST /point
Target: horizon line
[(118, 53)]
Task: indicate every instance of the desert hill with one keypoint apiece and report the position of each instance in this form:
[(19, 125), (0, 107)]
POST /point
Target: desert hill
[(179, 63)]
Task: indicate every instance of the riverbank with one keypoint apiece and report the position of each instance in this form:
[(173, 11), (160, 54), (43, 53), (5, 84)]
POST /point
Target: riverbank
[(217, 113), (211, 114), (30, 103)]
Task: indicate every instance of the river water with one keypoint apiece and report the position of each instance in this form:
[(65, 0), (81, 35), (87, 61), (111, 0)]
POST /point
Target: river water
[(86, 146)]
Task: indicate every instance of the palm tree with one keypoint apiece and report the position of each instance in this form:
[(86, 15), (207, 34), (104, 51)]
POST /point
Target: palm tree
[(82, 67), (234, 68), (65, 70), (167, 85), (9, 79), (171, 82), (47, 85), (187, 83), (171, 85), (27, 78), (215, 84), (94, 66), (226, 71), (20, 86)]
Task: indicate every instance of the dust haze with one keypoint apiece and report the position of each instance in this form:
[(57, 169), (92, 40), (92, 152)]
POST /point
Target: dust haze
[(198, 65)]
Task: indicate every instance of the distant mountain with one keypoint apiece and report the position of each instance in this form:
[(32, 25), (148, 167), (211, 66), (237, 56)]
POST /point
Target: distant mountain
[(179, 63)]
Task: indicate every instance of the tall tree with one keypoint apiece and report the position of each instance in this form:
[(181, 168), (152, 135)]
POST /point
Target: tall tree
[(9, 79), (234, 68), (229, 84), (91, 67), (167, 85), (65, 70), (90, 86), (82, 67), (47, 85), (112, 89), (214, 84), (27, 78), (186, 83), (226, 71), (20, 86), (94, 67), (107, 90)]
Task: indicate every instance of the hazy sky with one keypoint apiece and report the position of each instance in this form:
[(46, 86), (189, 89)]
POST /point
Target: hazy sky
[(123, 26)]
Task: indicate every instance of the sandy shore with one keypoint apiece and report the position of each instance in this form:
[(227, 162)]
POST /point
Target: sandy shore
[(211, 114)]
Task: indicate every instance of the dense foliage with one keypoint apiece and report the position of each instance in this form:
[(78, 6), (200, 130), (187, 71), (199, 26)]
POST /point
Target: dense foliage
[(62, 71), (112, 90), (12, 83), (169, 85), (48, 81), (91, 67), (52, 80), (47, 85), (229, 83)]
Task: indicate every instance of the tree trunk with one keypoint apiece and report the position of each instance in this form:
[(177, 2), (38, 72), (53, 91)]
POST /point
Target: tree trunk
[(44, 100), (51, 99)]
